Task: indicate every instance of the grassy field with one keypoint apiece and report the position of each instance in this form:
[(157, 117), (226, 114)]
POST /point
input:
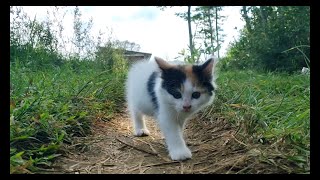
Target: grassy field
[(269, 108), (278, 103), (49, 106), (57, 93)]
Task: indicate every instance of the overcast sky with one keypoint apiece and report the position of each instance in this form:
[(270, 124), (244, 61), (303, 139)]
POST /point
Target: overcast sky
[(161, 33)]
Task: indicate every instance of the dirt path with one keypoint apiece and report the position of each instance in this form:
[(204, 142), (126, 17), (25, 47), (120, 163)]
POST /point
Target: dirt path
[(112, 149)]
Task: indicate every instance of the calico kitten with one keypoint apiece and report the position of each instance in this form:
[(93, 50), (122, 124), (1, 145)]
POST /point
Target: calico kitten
[(170, 93)]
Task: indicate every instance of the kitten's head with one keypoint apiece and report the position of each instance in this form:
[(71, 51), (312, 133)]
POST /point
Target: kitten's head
[(187, 88)]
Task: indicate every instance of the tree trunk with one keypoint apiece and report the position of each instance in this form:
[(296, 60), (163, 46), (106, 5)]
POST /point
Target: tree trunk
[(217, 33), (263, 17), (190, 32), (211, 30), (246, 18)]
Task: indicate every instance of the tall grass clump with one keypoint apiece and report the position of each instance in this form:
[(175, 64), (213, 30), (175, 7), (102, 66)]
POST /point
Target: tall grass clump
[(54, 96), (268, 108)]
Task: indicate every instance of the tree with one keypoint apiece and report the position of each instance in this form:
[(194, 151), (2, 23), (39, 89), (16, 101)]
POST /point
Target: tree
[(246, 18), (217, 32), (274, 39), (208, 34), (81, 38), (190, 33), (30, 38), (187, 16), (205, 32), (127, 45)]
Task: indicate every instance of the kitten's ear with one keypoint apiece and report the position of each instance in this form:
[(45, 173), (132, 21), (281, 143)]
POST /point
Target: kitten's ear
[(208, 66), (164, 65)]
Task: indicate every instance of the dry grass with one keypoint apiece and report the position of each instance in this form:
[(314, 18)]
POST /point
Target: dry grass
[(216, 147)]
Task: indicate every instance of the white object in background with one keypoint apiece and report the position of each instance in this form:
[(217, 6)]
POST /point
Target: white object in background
[(305, 70)]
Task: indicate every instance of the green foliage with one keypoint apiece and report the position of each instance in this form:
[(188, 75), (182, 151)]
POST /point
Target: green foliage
[(268, 108), (208, 28), (207, 35), (29, 38), (115, 62), (269, 32), (48, 107), (190, 58), (54, 98), (127, 45), (82, 40)]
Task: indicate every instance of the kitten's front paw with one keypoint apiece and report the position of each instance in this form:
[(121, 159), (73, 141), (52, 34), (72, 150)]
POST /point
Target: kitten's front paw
[(180, 154), (142, 132)]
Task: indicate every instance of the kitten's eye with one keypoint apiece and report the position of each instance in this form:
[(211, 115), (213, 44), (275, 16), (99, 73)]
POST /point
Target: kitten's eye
[(176, 95), (196, 95)]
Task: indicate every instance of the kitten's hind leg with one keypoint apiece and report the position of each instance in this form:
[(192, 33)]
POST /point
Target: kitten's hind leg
[(140, 128)]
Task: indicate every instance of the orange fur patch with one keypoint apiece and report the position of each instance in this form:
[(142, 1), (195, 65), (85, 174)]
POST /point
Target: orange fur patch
[(192, 78), (186, 69), (190, 75)]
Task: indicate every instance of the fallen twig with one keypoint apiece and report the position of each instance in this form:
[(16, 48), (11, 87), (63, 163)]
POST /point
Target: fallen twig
[(242, 170), (156, 164), (238, 140), (211, 139), (151, 147), (135, 147), (240, 159)]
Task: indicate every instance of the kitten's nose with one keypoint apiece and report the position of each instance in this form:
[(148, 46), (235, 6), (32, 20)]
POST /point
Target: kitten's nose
[(187, 107)]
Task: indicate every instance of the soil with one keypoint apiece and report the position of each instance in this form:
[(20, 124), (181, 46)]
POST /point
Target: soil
[(112, 148)]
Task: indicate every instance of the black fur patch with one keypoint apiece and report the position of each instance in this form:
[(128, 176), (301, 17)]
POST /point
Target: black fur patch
[(172, 80), (150, 87), (204, 79)]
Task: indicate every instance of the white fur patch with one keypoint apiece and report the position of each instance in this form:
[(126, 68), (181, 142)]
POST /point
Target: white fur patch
[(170, 114)]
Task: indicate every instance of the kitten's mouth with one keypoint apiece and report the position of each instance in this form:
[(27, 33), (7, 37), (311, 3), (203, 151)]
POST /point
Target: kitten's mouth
[(186, 110)]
